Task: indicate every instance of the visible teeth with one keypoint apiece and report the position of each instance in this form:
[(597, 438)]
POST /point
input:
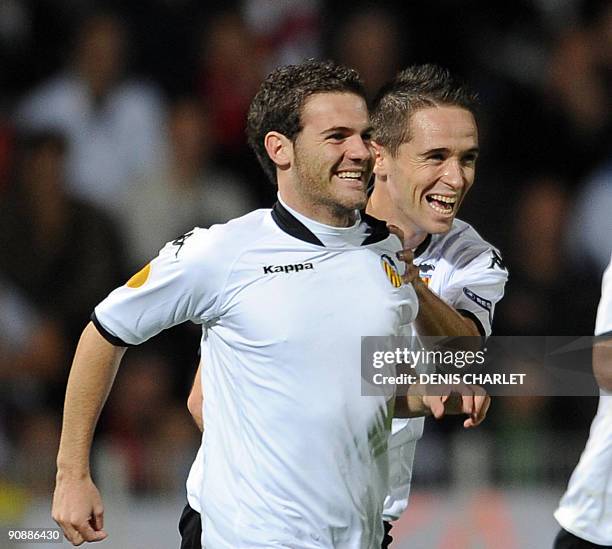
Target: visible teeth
[(446, 199), (440, 210), (349, 175)]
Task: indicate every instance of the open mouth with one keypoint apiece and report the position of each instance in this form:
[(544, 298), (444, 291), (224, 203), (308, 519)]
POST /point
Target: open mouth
[(442, 204)]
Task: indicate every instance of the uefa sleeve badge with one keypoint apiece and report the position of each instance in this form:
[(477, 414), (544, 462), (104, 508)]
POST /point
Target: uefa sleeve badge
[(140, 277)]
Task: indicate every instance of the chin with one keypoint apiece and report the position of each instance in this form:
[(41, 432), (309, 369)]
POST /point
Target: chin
[(438, 226), (356, 201)]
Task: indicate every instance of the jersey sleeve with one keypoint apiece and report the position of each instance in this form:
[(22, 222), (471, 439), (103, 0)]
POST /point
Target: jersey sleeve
[(184, 282), (603, 324), (476, 286)]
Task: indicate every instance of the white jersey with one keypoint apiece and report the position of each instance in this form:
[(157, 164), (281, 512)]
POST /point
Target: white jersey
[(295, 456), (585, 509), (468, 273)]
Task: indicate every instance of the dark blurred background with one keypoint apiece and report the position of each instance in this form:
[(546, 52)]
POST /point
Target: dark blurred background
[(122, 127)]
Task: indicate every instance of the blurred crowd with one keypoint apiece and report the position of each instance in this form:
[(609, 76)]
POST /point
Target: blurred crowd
[(122, 127)]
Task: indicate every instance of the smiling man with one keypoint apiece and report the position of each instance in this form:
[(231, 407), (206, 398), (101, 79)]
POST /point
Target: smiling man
[(426, 142), (295, 457)]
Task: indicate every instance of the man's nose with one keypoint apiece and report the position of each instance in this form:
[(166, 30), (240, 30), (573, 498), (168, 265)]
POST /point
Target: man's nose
[(453, 174), (358, 149)]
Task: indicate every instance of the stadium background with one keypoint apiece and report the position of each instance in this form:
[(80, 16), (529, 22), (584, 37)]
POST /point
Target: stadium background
[(73, 225)]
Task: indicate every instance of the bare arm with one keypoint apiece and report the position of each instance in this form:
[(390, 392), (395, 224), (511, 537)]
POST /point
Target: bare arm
[(437, 318), (602, 364), (196, 400), (77, 506)]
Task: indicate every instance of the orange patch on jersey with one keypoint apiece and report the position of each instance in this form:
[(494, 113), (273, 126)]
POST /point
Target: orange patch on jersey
[(140, 277)]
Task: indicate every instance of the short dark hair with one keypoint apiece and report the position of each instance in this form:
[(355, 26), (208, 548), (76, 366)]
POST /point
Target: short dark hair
[(278, 104), (415, 88)]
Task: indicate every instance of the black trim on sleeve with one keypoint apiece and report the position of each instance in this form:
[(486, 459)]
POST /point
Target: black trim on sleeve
[(113, 340), (474, 318), (289, 224)]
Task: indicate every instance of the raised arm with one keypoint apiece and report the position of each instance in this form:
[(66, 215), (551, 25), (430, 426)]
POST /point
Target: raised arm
[(437, 318), (602, 364), (77, 505)]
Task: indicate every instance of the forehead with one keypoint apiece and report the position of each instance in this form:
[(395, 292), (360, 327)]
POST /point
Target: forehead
[(443, 126), (334, 109)]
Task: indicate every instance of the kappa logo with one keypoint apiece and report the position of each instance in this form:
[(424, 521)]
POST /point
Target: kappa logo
[(497, 261), (180, 241), (295, 268), (390, 269)]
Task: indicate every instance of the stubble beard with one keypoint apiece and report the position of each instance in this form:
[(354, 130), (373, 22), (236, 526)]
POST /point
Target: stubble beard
[(315, 185)]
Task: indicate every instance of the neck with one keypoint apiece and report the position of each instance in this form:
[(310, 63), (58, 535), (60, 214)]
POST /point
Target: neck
[(381, 206), (321, 213)]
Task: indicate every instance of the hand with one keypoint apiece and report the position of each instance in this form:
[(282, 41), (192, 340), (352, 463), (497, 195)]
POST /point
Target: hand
[(459, 399), (78, 510), (411, 274)]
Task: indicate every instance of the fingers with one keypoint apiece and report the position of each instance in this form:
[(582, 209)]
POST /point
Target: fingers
[(481, 403), (89, 534), (98, 518), (467, 403), (411, 274), (71, 534), (78, 510), (406, 255), (78, 533), (472, 401), (436, 405)]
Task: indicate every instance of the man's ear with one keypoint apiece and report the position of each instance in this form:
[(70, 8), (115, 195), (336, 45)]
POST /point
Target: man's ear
[(380, 155), (279, 149)]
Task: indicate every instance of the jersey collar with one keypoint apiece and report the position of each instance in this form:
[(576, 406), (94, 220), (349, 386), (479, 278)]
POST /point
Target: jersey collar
[(288, 223), (422, 246)]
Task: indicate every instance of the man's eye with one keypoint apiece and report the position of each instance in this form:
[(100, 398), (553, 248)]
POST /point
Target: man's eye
[(469, 160), (366, 136), (438, 157), (336, 136)]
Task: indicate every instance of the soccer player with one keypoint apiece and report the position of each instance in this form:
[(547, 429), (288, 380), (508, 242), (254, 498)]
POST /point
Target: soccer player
[(426, 141), (585, 510), (294, 455)]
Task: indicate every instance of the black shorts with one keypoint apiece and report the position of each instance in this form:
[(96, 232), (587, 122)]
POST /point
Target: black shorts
[(567, 540), (190, 527)]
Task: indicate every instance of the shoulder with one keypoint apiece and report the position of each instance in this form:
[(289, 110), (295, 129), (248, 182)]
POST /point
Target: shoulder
[(463, 245), (221, 243)]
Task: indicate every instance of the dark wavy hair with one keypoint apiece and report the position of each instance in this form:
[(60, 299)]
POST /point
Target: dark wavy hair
[(278, 104)]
